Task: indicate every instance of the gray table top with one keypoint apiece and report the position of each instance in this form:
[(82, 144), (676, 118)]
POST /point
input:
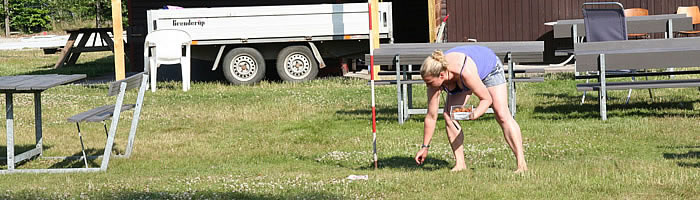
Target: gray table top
[(415, 53), (36, 82), (639, 54), (635, 24)]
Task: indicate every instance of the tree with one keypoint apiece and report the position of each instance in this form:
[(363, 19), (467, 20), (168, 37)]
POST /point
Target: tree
[(7, 18)]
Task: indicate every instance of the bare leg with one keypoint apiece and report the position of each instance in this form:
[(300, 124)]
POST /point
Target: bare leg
[(511, 129), (455, 136)]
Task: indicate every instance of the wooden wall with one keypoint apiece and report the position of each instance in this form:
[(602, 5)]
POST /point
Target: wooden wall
[(522, 20)]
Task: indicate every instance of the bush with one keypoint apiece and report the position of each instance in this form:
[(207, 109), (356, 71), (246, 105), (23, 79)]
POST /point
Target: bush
[(29, 16), (32, 16)]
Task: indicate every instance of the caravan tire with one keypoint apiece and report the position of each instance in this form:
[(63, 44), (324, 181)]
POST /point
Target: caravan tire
[(244, 66), (296, 64)]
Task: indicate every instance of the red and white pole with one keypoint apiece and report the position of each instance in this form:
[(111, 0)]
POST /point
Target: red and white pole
[(371, 72)]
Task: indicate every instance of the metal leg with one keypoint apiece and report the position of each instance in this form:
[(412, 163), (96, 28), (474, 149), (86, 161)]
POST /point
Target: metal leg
[(38, 125), (629, 92), (105, 125), (511, 84), (113, 128), (583, 97), (404, 91), (399, 95), (602, 93), (82, 145), (10, 132), (409, 92)]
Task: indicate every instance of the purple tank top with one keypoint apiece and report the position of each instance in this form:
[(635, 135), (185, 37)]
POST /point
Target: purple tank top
[(483, 57)]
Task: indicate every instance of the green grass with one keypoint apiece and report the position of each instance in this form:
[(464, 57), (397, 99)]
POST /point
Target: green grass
[(300, 141)]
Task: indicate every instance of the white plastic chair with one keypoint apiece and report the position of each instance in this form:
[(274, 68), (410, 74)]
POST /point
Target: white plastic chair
[(168, 50)]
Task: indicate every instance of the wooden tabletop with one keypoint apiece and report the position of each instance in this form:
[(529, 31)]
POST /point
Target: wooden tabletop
[(36, 82), (415, 53), (89, 30), (639, 54)]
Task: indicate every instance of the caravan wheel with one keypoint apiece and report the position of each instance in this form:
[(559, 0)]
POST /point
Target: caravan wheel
[(244, 66), (296, 64)]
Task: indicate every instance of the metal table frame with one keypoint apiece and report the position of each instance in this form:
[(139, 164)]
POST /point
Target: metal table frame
[(638, 54), (19, 84), (414, 53)]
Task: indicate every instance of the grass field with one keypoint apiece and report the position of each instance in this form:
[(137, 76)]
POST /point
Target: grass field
[(301, 141)]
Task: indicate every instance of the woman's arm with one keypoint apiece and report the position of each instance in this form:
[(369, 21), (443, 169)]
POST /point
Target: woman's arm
[(471, 77), (429, 123), (431, 116)]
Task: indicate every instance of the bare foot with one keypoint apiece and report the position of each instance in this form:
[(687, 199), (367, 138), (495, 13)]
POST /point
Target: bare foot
[(521, 170), (458, 168)]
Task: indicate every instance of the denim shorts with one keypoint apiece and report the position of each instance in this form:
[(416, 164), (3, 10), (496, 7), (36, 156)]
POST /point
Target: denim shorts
[(496, 77)]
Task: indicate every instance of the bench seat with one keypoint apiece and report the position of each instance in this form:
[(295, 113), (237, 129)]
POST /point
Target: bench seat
[(640, 85), (98, 114), (393, 82)]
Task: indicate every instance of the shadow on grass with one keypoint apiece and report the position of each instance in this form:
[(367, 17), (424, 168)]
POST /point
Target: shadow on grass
[(383, 114), (689, 165), (689, 155), (76, 162), (408, 163), (18, 150), (678, 147), (95, 68), (224, 195), (573, 110), (103, 70), (183, 195)]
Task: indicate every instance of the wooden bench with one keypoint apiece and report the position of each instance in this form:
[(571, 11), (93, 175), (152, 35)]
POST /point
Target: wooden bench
[(414, 53), (599, 57)]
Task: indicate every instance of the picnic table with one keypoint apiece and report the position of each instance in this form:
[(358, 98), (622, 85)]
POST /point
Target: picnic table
[(414, 54), (35, 84), (639, 55), (70, 52)]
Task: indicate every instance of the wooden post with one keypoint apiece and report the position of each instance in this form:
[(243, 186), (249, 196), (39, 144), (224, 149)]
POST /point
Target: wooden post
[(375, 32), (431, 20), (7, 19), (118, 39)]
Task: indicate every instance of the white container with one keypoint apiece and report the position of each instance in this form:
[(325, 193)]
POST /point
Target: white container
[(456, 114)]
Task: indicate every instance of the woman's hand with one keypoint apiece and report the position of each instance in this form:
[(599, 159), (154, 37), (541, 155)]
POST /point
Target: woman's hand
[(473, 116), (421, 155)]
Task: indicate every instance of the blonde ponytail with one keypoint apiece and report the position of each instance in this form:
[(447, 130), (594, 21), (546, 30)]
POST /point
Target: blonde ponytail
[(434, 64)]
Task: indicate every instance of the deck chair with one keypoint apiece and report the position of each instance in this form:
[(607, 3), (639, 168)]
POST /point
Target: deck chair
[(104, 113), (606, 24)]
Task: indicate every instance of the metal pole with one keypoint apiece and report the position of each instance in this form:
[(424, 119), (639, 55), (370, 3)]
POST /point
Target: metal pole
[(602, 93), (371, 69)]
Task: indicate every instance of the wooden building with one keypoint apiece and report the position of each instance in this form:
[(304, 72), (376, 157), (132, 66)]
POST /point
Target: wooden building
[(523, 20)]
